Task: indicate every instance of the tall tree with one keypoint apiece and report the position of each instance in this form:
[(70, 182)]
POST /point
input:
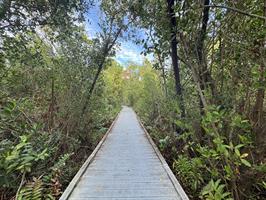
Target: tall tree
[(112, 28), (206, 81), (173, 42)]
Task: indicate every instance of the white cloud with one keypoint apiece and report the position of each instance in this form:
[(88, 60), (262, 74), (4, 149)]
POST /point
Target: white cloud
[(129, 52)]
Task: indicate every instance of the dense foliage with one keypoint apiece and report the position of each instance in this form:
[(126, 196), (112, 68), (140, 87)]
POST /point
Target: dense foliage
[(49, 124), (202, 98), (207, 110), (215, 164)]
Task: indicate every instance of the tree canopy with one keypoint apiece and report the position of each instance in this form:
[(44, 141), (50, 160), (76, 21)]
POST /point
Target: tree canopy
[(201, 97)]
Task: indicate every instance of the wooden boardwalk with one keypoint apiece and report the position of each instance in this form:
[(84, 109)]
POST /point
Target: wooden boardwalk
[(125, 165)]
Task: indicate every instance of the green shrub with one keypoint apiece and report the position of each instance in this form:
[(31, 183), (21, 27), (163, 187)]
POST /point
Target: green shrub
[(189, 171), (214, 190)]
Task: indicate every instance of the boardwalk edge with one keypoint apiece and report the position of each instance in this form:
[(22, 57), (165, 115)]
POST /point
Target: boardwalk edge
[(169, 172), (83, 168)]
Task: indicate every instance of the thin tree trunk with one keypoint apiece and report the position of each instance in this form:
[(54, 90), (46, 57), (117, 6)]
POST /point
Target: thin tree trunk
[(52, 105), (173, 27), (202, 33), (163, 74), (100, 67), (205, 76), (158, 53), (51, 109), (221, 48), (107, 48), (258, 107), (20, 185)]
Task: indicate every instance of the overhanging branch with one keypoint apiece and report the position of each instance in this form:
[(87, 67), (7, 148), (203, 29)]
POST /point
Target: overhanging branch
[(237, 10)]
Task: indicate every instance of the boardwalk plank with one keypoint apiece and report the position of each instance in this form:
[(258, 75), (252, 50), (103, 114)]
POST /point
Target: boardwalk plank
[(126, 166)]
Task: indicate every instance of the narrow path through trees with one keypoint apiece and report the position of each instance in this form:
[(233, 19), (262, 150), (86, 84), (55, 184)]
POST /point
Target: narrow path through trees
[(126, 166)]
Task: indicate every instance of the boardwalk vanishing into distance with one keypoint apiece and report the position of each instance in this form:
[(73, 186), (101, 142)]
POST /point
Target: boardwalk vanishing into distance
[(125, 165)]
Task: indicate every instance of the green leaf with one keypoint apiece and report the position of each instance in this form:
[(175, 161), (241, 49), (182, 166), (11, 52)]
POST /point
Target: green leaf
[(245, 162), (237, 152)]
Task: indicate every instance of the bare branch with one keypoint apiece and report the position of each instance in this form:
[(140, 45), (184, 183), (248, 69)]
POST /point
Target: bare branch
[(237, 10)]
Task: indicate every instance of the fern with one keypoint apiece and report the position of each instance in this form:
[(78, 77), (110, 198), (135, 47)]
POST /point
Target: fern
[(32, 191)]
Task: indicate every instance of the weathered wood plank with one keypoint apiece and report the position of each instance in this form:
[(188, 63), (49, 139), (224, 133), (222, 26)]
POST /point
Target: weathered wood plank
[(83, 168), (172, 177), (126, 165)]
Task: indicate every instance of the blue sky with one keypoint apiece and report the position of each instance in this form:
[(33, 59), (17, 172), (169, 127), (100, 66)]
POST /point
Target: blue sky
[(128, 52)]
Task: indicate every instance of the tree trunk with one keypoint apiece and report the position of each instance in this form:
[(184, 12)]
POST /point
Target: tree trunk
[(206, 81), (163, 74), (100, 67), (173, 27), (106, 49), (161, 60), (204, 74), (52, 106), (258, 107)]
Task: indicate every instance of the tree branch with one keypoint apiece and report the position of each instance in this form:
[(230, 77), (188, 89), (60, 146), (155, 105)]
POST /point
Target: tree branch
[(20, 185), (237, 10)]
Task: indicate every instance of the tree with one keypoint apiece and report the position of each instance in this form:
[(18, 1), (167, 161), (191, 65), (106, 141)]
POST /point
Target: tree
[(173, 42)]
